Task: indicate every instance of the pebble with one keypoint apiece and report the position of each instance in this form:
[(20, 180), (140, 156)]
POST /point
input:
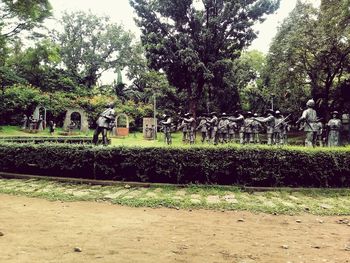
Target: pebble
[(77, 249), (343, 221), (317, 247), (127, 186), (240, 220), (1, 234), (320, 221), (285, 246), (298, 221)]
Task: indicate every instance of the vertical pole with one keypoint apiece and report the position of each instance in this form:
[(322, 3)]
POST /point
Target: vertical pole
[(154, 116)]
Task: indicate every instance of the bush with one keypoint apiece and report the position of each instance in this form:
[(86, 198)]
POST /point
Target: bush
[(250, 166)]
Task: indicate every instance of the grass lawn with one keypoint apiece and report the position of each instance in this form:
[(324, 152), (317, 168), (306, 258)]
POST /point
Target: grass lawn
[(136, 139), (318, 202)]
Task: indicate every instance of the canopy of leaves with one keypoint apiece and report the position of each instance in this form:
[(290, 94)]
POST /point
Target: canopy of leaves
[(195, 45), (91, 45), (19, 15), (309, 56)]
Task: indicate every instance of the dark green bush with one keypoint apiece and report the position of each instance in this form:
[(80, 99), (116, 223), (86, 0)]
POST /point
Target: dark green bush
[(259, 166)]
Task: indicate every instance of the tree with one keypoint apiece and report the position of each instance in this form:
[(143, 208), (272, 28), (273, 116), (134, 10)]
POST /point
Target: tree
[(91, 45), (309, 56), (19, 15), (37, 65), (19, 100), (194, 46), (248, 73)]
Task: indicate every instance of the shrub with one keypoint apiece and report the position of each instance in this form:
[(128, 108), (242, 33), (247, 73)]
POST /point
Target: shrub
[(250, 166)]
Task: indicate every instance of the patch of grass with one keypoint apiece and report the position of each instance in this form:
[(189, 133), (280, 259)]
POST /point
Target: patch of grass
[(318, 202)]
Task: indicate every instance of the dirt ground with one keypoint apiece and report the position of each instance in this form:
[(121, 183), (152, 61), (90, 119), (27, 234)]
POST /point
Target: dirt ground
[(36, 230)]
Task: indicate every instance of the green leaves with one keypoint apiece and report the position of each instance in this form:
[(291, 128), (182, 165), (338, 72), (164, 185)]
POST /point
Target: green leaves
[(188, 41), (91, 45), (251, 166)]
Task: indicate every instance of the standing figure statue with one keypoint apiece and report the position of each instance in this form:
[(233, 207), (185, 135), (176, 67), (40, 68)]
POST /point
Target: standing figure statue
[(103, 124), (223, 128), (185, 128), (256, 129), (281, 128), (238, 118), (269, 121), (191, 127), (309, 119), (232, 126), (202, 126), (214, 121), (248, 132), (166, 127), (334, 126)]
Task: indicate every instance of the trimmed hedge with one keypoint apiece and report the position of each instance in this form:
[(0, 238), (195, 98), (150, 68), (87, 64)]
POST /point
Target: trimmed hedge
[(75, 140), (250, 166)]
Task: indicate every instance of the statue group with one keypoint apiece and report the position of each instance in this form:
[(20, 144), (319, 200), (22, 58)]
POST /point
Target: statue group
[(314, 127), (246, 128)]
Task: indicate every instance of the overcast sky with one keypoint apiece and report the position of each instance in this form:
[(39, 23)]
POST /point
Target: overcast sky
[(120, 11)]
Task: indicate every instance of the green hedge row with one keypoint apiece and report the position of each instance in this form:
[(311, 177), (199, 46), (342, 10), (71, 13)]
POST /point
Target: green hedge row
[(25, 139), (259, 166)]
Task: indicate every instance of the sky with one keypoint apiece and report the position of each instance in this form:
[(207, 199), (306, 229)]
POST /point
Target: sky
[(121, 12)]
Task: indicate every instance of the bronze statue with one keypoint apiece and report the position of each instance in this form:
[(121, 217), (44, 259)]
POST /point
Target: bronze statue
[(166, 127), (309, 120), (103, 124), (238, 118), (270, 125), (334, 126)]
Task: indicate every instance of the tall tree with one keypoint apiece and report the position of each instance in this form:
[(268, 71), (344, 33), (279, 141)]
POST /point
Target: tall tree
[(91, 45), (195, 45), (310, 55)]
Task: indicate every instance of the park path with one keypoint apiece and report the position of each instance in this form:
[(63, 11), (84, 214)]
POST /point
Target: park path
[(37, 230)]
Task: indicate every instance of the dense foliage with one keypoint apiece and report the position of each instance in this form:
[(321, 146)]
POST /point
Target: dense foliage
[(192, 56), (310, 57), (196, 43), (240, 166)]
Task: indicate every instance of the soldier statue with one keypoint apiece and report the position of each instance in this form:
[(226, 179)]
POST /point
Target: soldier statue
[(238, 118), (232, 126), (223, 128), (309, 119), (214, 121), (269, 121), (281, 128), (334, 127), (185, 128), (202, 126), (103, 124), (191, 127), (248, 132), (256, 129), (166, 127)]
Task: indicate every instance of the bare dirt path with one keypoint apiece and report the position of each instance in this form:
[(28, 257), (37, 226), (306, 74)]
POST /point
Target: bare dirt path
[(36, 230)]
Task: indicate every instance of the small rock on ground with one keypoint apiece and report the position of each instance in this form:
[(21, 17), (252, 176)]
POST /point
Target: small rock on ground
[(77, 249)]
